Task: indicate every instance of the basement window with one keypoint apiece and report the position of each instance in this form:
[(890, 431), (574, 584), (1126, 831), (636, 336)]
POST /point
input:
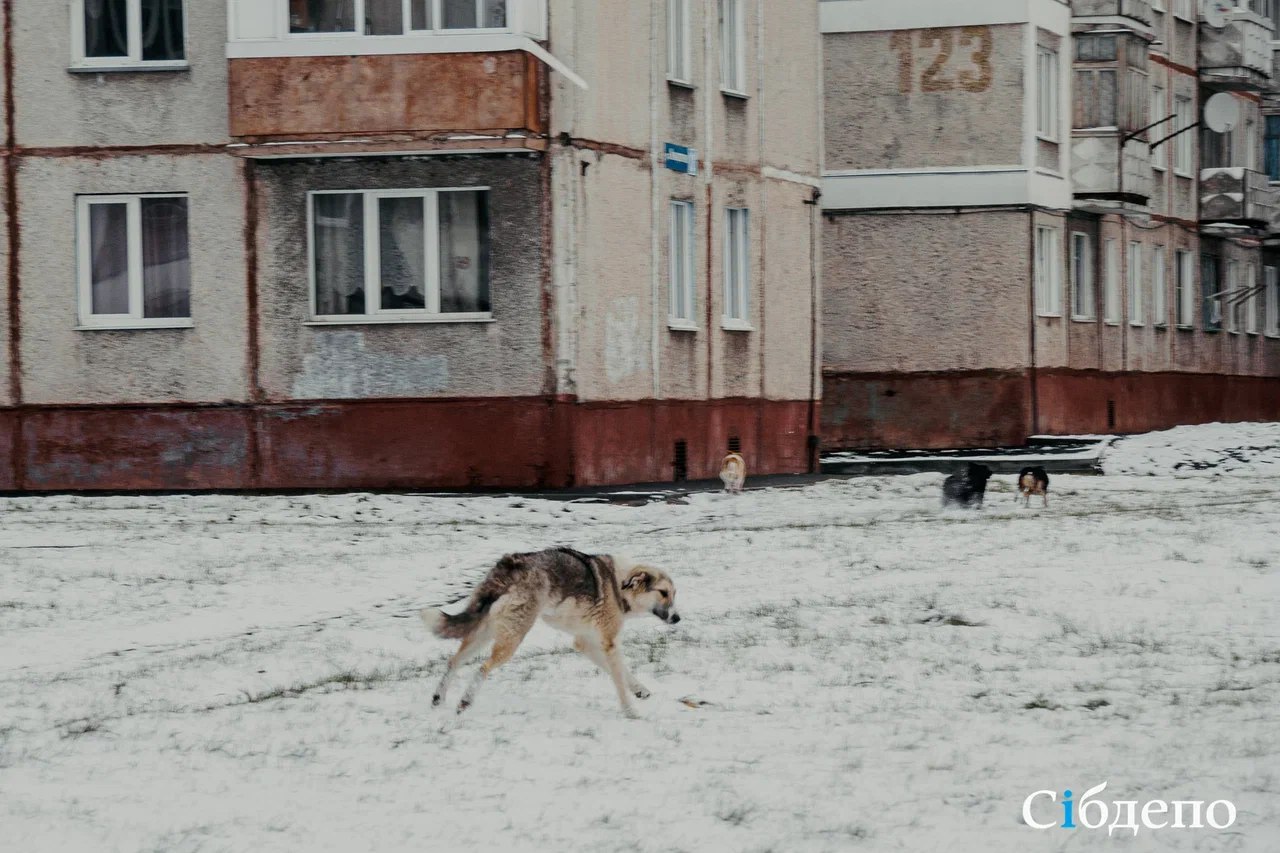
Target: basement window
[(134, 262), (128, 35), (400, 256)]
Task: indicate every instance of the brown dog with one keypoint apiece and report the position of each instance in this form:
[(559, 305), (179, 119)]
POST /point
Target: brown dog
[(588, 596), (1033, 480)]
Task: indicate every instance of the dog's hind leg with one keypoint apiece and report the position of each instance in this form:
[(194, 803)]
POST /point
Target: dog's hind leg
[(511, 623), (597, 656), (472, 647)]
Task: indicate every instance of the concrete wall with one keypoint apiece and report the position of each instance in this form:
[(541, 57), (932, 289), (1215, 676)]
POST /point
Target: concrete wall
[(360, 361), (206, 363), (890, 108), (58, 107), (917, 292)]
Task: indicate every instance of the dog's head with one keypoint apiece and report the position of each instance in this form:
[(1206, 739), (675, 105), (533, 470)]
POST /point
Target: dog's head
[(978, 475), (651, 590)]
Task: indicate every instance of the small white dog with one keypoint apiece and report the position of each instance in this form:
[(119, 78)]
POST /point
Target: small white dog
[(733, 471)]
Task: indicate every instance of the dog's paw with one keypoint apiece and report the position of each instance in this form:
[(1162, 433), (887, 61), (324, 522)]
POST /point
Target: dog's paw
[(640, 691)]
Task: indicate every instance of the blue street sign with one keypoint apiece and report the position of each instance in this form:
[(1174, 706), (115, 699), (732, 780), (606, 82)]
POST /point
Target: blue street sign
[(681, 159)]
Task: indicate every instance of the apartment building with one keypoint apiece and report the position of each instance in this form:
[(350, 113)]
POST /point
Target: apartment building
[(407, 243), (1028, 227)]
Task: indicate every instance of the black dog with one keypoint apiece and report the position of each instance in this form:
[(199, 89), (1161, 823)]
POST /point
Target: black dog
[(1033, 480), (966, 488)]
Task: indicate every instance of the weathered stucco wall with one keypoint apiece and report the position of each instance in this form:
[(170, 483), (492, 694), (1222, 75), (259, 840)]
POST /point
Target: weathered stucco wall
[(56, 107), (921, 292), (931, 97), (500, 358), (206, 363)]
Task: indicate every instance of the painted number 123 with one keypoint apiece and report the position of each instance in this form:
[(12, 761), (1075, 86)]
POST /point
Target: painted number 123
[(973, 73)]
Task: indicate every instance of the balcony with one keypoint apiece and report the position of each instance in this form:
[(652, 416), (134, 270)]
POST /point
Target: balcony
[(1237, 56), (1101, 180), (1238, 196), (1135, 10), (311, 76)]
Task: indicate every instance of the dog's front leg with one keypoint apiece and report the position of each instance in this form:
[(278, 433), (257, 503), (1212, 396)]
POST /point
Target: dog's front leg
[(597, 656), (617, 670)]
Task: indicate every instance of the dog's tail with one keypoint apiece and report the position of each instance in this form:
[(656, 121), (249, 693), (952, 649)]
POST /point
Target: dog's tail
[(457, 626)]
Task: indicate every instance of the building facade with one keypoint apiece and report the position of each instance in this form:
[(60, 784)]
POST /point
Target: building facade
[(1028, 228), (407, 243)]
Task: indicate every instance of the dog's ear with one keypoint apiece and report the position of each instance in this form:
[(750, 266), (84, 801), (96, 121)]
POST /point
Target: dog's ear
[(638, 580)]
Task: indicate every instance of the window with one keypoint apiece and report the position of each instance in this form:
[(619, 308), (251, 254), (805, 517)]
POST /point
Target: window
[(401, 255), (737, 268), (1211, 299), (1159, 286), (1048, 273), (1230, 296), (394, 17), (129, 33), (1111, 283), (1133, 282), (1272, 292), (1271, 148), (134, 261), (1081, 276), (1047, 93), (1182, 152), (1250, 144), (1184, 293), (1216, 148), (679, 58), (1251, 301), (682, 254), (1159, 157), (1184, 9), (733, 47)]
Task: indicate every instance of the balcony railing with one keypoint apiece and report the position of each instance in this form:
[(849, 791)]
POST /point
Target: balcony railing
[(1101, 177), (1237, 56), (1238, 196)]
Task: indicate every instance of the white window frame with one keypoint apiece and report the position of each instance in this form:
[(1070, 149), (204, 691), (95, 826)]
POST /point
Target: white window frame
[(1184, 116), (374, 312), (134, 61), (134, 319), (737, 245), (1185, 289), (1160, 158), (681, 305), (1047, 81), (1133, 283), (1048, 272), (679, 43), (1082, 284), (1159, 288), (1271, 319), (733, 65), (437, 16), (1226, 304), (1251, 301), (1111, 282)]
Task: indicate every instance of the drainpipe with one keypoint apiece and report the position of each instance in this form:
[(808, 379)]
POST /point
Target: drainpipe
[(812, 440), (1031, 303)]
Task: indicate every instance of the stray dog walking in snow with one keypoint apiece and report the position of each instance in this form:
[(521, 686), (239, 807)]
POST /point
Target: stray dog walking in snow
[(1033, 480), (966, 488), (588, 596), (733, 471)]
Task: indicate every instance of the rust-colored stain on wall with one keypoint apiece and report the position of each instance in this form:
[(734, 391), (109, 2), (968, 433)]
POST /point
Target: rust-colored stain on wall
[(315, 96)]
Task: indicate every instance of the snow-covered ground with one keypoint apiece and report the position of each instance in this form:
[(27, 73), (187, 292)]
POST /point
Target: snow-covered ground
[(248, 674)]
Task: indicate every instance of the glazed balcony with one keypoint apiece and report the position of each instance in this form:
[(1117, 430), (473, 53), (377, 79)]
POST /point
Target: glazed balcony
[(1133, 10), (1237, 55), (1238, 196), (407, 75)]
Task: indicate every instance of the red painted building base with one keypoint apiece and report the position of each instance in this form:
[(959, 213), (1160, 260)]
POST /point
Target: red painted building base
[(504, 443), (986, 408)]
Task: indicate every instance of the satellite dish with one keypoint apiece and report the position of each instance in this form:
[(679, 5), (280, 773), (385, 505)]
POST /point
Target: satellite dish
[(1215, 12), (1221, 113)]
